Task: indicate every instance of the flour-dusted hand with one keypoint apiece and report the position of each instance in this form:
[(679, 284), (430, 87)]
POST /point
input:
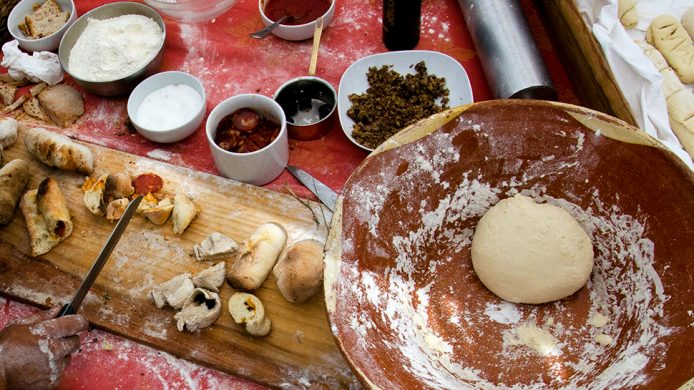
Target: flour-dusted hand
[(35, 350)]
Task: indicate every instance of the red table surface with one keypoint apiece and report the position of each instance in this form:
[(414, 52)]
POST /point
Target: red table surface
[(228, 62)]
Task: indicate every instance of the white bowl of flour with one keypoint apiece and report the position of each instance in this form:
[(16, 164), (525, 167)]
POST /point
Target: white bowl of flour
[(110, 49)]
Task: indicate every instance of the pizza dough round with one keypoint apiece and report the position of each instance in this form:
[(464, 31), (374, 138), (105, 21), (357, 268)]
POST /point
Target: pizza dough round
[(526, 252)]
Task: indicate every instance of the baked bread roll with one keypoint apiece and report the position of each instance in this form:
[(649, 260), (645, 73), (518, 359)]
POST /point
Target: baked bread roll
[(13, 179), (672, 40), (299, 271), (41, 240), (119, 185), (94, 194), (256, 257), (184, 211), (58, 150), (53, 208), (688, 22), (160, 213), (8, 132), (116, 209)]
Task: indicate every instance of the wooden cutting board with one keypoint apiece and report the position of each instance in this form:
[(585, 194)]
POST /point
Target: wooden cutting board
[(299, 351)]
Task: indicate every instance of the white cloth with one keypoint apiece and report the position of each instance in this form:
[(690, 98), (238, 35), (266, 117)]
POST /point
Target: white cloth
[(40, 66), (636, 76)]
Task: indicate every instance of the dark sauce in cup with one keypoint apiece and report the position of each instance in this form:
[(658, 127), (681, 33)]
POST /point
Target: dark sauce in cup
[(245, 131), (303, 11)]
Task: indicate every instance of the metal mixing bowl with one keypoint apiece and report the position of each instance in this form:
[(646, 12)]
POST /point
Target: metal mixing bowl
[(122, 85)]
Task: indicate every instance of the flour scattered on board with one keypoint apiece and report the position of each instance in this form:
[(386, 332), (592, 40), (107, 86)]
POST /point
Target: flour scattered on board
[(630, 290)]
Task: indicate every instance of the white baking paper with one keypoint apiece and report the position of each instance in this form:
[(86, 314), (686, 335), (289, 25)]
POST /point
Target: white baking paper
[(636, 76), (40, 66)]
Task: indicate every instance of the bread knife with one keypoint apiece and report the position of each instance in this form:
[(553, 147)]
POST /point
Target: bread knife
[(324, 193), (74, 305)]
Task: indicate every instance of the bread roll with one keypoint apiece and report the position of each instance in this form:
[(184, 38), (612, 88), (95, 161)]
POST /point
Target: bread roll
[(13, 179), (688, 22), (8, 132), (299, 271), (52, 206), (256, 257), (628, 15), (41, 240), (184, 211), (672, 40), (58, 150), (249, 310), (62, 103)]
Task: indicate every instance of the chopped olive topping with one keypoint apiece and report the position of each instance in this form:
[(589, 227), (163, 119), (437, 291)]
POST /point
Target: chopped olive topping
[(394, 102)]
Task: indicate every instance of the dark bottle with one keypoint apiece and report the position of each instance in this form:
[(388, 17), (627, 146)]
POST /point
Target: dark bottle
[(401, 22)]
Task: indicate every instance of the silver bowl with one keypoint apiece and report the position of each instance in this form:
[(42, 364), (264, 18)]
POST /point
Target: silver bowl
[(122, 85)]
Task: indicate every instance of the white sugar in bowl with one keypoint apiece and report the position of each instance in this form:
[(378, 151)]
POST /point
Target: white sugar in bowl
[(167, 107)]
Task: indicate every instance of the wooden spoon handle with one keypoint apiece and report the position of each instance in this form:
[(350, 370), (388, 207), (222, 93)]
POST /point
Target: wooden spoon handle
[(316, 43)]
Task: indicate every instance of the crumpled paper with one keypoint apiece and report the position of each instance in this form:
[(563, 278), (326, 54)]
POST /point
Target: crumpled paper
[(40, 66), (636, 76)]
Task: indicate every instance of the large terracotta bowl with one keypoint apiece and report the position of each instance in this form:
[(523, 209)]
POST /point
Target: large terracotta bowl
[(403, 300)]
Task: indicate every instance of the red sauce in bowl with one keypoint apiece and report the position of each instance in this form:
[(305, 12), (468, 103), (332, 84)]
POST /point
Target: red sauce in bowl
[(304, 11)]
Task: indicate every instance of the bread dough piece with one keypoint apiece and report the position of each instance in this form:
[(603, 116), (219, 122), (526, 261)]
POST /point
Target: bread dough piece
[(184, 211), (58, 150), (526, 252), (671, 39), (53, 208), (200, 311), (94, 195), (681, 112), (299, 271), (174, 292), (41, 240), (8, 132), (13, 179), (249, 310), (211, 278), (688, 22), (256, 257), (215, 246), (62, 103), (628, 15), (161, 212)]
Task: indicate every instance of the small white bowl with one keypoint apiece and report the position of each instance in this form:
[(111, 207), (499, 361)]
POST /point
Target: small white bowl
[(297, 32), (191, 10), (49, 43), (259, 167), (154, 83)]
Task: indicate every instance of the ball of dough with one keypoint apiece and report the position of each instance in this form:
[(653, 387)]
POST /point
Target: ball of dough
[(526, 252)]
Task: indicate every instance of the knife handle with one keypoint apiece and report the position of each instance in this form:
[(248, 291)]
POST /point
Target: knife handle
[(66, 310)]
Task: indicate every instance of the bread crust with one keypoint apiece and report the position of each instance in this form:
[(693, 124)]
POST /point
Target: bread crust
[(58, 150), (41, 240), (13, 180)]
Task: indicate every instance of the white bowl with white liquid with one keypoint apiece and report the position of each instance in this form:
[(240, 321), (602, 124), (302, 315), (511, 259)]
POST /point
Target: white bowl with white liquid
[(168, 106)]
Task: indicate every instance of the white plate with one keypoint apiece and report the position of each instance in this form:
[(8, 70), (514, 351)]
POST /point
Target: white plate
[(439, 64)]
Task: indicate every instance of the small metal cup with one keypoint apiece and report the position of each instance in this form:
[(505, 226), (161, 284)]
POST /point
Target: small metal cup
[(309, 104)]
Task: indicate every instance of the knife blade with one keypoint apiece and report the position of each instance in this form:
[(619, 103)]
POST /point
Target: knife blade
[(326, 195), (74, 305)]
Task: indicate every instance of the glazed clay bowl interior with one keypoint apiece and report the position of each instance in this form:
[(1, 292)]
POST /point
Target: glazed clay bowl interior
[(406, 307)]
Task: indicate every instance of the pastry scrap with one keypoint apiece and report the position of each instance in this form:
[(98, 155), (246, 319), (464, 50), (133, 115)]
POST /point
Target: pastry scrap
[(174, 292), (119, 185), (148, 202), (628, 15), (211, 278), (58, 150), (45, 230), (299, 271), (184, 211), (7, 93), (201, 310), (215, 246), (248, 309), (116, 209), (160, 213), (13, 179), (256, 257), (33, 108), (672, 40), (94, 194)]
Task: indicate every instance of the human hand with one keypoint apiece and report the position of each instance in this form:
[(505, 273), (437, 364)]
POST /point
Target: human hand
[(34, 350)]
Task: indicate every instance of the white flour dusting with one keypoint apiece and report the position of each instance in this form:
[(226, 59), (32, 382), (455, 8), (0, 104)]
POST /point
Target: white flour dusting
[(52, 366), (624, 285)]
